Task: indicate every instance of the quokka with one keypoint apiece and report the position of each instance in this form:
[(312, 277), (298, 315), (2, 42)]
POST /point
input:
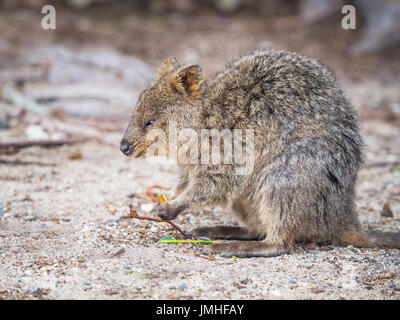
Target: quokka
[(307, 150)]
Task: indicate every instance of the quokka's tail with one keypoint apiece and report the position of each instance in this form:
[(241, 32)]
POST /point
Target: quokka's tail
[(382, 239), (371, 239)]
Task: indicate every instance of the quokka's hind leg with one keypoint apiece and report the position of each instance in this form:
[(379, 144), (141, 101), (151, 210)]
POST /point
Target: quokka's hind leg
[(246, 249), (225, 232)]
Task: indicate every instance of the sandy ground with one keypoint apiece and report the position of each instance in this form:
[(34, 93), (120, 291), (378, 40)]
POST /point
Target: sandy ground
[(59, 233), (63, 227)]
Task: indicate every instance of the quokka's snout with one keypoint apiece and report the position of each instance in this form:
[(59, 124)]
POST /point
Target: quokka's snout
[(126, 147), (131, 148)]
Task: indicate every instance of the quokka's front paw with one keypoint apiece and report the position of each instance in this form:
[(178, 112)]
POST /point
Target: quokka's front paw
[(167, 211)]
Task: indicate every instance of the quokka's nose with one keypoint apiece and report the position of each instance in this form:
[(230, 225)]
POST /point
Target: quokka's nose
[(126, 148)]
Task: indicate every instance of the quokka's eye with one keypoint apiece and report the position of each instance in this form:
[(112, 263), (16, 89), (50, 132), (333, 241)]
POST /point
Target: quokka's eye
[(148, 124)]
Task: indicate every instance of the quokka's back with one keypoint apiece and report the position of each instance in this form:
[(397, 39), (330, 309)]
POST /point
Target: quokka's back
[(292, 94)]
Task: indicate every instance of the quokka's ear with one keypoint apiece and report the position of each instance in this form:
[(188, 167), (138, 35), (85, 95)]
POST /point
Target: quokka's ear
[(169, 65), (188, 80)]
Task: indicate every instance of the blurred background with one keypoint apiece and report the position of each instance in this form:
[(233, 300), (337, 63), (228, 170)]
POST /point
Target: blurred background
[(66, 96), (102, 53)]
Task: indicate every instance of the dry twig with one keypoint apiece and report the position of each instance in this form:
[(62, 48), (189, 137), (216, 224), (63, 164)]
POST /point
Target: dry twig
[(133, 214), (41, 143)]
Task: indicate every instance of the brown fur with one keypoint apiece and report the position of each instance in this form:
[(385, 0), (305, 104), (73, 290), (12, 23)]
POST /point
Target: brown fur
[(307, 151)]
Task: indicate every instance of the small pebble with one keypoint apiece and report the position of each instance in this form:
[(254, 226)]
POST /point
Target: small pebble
[(111, 209), (182, 286), (85, 283), (75, 155), (386, 210), (317, 290), (292, 281), (127, 267), (111, 291)]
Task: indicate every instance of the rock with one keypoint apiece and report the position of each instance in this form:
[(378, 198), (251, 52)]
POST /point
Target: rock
[(386, 210), (27, 198), (87, 235), (75, 154), (35, 132), (111, 291), (90, 83), (127, 267), (111, 208), (102, 65), (40, 292)]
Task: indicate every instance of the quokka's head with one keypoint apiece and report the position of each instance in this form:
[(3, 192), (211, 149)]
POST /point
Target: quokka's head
[(175, 95)]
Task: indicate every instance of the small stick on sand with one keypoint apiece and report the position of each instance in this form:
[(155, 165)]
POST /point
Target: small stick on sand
[(133, 214), (41, 143)]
